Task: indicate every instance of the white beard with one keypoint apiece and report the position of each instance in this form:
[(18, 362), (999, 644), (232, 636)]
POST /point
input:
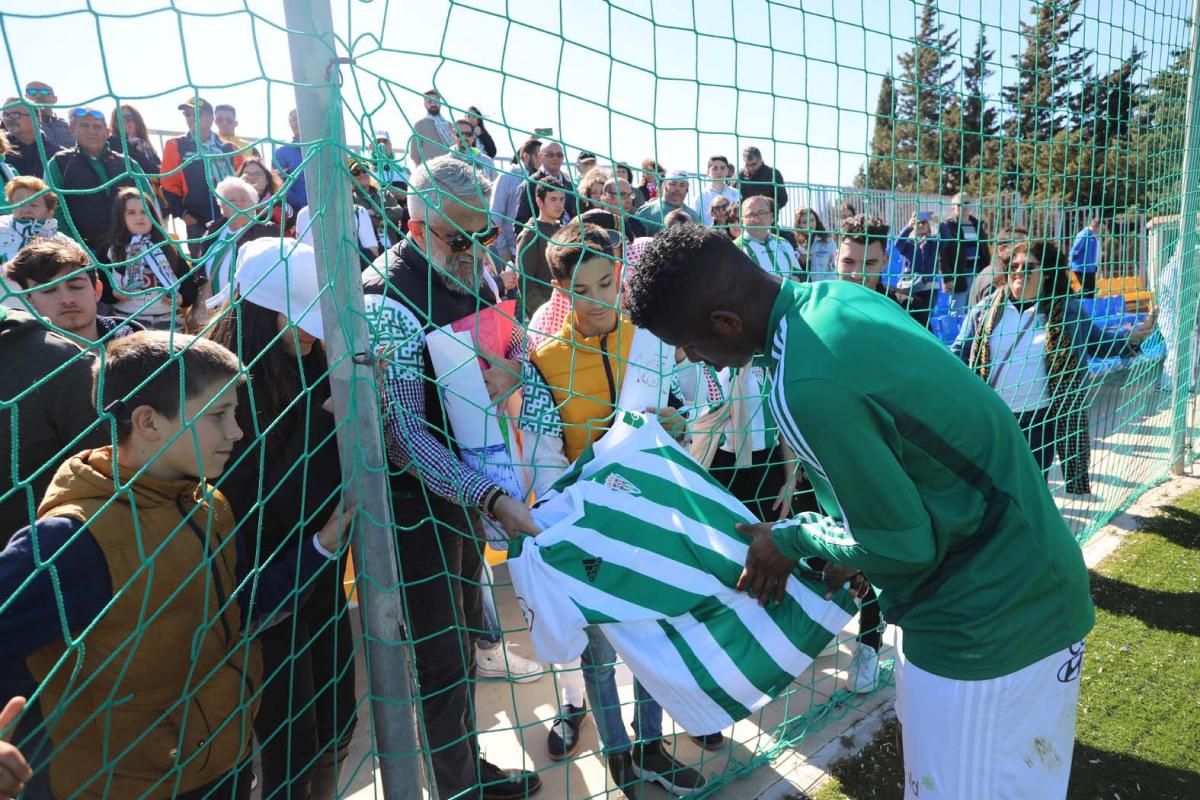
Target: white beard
[(460, 275)]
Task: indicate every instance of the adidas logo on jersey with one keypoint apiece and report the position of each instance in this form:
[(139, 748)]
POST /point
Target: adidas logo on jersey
[(619, 483), (591, 568)]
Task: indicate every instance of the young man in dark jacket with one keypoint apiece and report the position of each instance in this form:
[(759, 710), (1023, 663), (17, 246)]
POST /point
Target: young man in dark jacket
[(45, 402), (189, 163), (756, 178)]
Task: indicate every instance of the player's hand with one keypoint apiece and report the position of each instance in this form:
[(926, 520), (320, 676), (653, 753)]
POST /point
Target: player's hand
[(514, 517), (766, 572), (674, 423), (839, 576), (14, 769)]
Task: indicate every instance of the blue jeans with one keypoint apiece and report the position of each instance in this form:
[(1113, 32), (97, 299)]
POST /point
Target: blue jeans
[(600, 682), (492, 633)]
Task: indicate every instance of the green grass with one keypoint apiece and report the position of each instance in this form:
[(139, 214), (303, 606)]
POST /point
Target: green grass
[(1138, 733)]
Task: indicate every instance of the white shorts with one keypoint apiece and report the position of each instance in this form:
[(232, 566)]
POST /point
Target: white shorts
[(1007, 737)]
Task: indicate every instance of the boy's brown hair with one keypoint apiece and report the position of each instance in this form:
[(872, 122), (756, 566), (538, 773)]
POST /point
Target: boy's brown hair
[(32, 184), (43, 260), (148, 368), (575, 243)]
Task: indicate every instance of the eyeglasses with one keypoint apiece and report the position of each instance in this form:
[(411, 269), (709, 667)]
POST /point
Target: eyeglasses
[(460, 243), (15, 114), (720, 208), (47, 92), (129, 118), (80, 113), (551, 154)]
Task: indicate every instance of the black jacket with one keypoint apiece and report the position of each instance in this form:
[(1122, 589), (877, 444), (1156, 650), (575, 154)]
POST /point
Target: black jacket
[(403, 275), (296, 458), (763, 182), (51, 423), (961, 255), (527, 206), (27, 160), (140, 153), (486, 142), (88, 214)]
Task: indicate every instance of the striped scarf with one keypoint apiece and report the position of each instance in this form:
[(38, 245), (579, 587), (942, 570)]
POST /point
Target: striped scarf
[(1062, 366)]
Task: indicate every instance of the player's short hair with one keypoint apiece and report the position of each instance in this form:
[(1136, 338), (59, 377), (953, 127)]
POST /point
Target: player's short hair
[(864, 230), (667, 282)]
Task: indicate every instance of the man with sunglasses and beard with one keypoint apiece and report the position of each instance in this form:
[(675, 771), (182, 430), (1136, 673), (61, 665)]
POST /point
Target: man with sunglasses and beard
[(87, 177), (438, 275), (54, 127)]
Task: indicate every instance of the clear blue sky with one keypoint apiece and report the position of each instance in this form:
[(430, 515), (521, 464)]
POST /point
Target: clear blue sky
[(679, 79)]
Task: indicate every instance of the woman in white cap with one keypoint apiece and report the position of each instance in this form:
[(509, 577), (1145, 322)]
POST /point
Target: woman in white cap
[(283, 474)]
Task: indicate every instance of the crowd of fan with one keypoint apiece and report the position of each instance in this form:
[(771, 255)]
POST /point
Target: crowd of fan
[(95, 280)]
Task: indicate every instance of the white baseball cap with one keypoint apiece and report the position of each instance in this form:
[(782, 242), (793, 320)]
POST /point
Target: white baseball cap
[(281, 275)]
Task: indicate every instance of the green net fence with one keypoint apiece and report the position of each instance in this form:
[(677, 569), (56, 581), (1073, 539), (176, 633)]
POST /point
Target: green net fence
[(415, 355)]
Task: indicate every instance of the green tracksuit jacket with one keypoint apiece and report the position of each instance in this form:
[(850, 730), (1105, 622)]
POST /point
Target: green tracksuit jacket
[(926, 483)]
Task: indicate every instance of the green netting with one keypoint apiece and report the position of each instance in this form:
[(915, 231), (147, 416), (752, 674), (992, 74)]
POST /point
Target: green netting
[(1000, 134)]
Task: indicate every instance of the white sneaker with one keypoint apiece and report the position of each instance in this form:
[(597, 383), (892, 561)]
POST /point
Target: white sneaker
[(502, 662), (862, 675)]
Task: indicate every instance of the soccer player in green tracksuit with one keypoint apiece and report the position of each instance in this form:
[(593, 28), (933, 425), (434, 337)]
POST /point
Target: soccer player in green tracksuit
[(926, 485)]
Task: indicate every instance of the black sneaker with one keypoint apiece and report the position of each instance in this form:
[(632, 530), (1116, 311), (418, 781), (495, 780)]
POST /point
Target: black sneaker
[(625, 779), (651, 763), (713, 741), (506, 784), (563, 739)]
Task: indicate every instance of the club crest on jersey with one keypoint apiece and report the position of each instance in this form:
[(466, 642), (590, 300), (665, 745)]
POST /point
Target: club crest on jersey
[(619, 483), (591, 568)]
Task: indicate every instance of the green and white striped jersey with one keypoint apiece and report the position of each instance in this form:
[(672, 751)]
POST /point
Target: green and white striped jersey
[(640, 540)]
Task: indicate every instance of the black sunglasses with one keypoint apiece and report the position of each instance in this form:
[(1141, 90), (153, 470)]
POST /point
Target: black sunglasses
[(460, 243)]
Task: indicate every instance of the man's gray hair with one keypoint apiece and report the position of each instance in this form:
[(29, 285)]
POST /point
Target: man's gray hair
[(235, 185), (447, 175)]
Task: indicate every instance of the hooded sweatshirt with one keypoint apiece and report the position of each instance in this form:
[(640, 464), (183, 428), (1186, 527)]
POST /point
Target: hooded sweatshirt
[(45, 403), (154, 573)]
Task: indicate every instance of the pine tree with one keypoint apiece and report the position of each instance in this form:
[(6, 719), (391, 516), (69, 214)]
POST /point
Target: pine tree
[(1156, 137), (980, 123), (926, 88), (1049, 72), (1104, 107), (879, 170)]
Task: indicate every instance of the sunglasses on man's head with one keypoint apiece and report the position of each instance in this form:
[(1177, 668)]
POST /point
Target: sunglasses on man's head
[(80, 113), (39, 92)]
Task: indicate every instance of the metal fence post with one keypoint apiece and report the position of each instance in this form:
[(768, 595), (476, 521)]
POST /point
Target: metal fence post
[(1188, 297), (360, 440)]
